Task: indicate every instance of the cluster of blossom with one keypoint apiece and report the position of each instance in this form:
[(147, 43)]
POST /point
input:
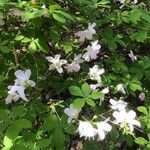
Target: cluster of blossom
[(125, 120), (91, 53), (17, 90), (123, 2)]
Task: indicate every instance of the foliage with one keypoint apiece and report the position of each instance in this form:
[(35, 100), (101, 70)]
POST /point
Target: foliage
[(32, 30)]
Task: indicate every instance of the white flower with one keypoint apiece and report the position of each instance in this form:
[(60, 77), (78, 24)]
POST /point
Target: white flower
[(132, 56), (142, 96), (122, 1), (12, 97), (94, 86), (23, 78), (135, 1), (86, 130), (92, 51), (86, 34), (72, 113), (105, 90), (120, 88), (75, 65), (56, 63), (118, 105), (103, 128), (126, 120), (95, 73), (16, 90)]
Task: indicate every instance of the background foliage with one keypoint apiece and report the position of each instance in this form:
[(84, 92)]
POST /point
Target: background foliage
[(35, 29)]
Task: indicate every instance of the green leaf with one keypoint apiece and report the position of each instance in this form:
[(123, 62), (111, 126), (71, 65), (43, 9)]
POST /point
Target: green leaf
[(66, 15), (50, 122), (32, 47), (78, 103), (90, 102), (142, 109), (43, 143), (55, 35), (42, 45), (18, 111), (141, 141), (12, 132), (140, 36), (7, 142), (26, 40), (67, 47), (58, 138), (59, 18), (19, 38), (4, 49), (134, 87), (3, 114), (23, 123), (76, 91), (96, 95), (18, 147), (86, 89)]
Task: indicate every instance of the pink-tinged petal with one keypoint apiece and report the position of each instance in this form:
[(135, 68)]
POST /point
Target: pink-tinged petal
[(49, 58)]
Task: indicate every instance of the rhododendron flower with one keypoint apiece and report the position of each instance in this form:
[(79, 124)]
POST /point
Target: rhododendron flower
[(86, 34), (94, 86), (86, 130), (92, 51), (103, 128), (132, 56), (95, 73), (19, 90), (118, 105), (12, 97), (72, 113), (105, 90), (142, 96), (75, 65), (56, 63), (120, 88), (126, 120), (23, 78)]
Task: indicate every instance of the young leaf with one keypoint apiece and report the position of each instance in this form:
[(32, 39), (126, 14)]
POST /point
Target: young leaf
[(86, 89), (90, 102), (78, 103), (76, 91)]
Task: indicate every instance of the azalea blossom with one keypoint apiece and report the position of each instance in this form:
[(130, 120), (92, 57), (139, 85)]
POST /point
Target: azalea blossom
[(103, 129), (126, 120), (118, 105), (105, 90), (12, 97), (56, 63), (92, 51), (75, 65), (132, 56), (72, 113), (142, 96), (94, 86), (120, 88), (86, 34), (16, 90), (86, 130), (23, 78), (95, 73)]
